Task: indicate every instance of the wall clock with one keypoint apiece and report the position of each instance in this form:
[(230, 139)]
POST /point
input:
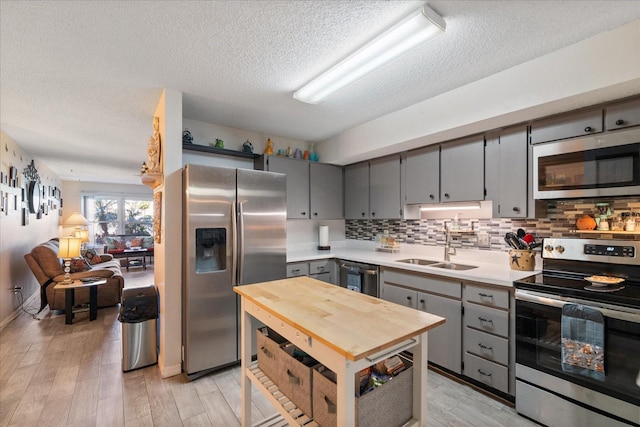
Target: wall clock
[(35, 195)]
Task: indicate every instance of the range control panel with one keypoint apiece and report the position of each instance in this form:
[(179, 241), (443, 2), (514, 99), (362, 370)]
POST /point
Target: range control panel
[(608, 251)]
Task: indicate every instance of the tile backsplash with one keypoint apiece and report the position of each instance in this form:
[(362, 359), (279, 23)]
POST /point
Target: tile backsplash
[(560, 221)]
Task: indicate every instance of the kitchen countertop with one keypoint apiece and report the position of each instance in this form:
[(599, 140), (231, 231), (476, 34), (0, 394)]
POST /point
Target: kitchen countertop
[(493, 266)]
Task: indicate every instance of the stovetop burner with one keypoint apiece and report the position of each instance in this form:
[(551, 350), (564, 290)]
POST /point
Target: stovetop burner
[(567, 263)]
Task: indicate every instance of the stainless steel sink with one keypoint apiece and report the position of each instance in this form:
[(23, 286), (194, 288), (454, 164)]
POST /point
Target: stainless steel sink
[(453, 266), (417, 261)]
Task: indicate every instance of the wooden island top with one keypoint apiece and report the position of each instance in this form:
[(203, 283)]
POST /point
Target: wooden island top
[(353, 324)]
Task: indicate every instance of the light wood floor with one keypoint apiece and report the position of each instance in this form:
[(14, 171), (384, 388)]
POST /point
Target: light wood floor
[(52, 374)]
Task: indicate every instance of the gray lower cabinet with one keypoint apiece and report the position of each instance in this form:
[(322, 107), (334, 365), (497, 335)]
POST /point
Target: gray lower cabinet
[(434, 295), (462, 170), (326, 191), (622, 115), (356, 191), (324, 270), (567, 126), (506, 172), (488, 325)]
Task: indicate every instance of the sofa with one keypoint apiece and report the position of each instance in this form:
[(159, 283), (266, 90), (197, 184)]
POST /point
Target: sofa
[(49, 271), (116, 244)]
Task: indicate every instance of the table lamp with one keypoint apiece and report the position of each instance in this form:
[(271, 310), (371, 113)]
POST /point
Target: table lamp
[(69, 247)]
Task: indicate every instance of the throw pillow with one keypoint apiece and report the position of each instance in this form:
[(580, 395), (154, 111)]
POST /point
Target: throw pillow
[(147, 242), (136, 243), (121, 244), (92, 257), (111, 243), (78, 265)]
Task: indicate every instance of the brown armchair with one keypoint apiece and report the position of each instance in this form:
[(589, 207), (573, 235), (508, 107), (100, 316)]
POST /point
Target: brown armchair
[(48, 270)]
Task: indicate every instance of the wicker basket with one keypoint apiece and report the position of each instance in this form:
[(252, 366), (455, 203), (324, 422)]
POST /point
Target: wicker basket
[(268, 342), (389, 405), (294, 377)]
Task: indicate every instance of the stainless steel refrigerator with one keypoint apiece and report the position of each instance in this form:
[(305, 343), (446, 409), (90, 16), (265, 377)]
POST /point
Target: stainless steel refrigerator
[(234, 234)]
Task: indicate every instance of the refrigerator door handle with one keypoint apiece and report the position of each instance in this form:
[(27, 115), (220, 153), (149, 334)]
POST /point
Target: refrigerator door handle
[(240, 242), (234, 239)]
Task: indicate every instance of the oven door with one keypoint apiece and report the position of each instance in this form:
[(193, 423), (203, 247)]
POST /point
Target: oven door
[(607, 165), (539, 347)]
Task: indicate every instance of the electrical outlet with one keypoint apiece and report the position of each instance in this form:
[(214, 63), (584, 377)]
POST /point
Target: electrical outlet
[(483, 239)]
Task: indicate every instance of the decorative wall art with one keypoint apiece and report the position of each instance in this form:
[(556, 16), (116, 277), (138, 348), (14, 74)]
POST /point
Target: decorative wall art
[(157, 211)]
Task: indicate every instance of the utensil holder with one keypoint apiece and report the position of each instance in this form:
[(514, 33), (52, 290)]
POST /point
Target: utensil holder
[(522, 259)]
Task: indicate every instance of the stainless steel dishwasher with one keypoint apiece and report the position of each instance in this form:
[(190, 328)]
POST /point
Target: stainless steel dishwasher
[(360, 277)]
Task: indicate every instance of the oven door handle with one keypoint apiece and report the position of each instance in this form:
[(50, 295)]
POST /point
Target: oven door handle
[(625, 314)]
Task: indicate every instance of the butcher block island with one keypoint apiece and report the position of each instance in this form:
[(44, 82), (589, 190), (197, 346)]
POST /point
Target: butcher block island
[(343, 330)]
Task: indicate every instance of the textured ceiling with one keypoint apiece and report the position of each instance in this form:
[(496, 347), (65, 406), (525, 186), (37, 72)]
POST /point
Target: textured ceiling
[(80, 81)]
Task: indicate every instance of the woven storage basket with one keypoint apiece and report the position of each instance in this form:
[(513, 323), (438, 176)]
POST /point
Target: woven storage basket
[(389, 405), (294, 377), (268, 342)]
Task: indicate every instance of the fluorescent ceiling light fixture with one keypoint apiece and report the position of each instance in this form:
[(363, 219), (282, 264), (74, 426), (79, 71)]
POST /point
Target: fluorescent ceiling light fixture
[(412, 31), (451, 207)]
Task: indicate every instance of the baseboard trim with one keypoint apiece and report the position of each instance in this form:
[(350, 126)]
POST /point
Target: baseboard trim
[(18, 310), (169, 371)]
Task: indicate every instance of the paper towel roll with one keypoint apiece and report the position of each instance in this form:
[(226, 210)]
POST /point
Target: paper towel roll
[(324, 235)]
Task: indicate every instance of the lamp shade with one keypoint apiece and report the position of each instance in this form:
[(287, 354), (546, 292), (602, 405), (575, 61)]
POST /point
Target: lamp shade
[(77, 219), (69, 247), (82, 234)]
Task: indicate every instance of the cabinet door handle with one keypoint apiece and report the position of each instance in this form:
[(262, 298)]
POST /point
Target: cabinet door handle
[(483, 295), (432, 197), (484, 347), (481, 372), (588, 129), (482, 319), (516, 209), (320, 268), (315, 214), (297, 270), (619, 122), (303, 213), (446, 195), (408, 298), (422, 301), (373, 214), (363, 214)]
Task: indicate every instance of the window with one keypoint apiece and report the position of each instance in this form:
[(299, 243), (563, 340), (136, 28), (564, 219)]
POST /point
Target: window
[(118, 215)]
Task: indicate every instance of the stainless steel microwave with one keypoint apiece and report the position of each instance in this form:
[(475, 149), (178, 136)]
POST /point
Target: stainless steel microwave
[(593, 166)]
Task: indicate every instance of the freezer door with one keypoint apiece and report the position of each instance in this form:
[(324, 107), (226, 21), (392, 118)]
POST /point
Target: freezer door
[(262, 226), (209, 303)]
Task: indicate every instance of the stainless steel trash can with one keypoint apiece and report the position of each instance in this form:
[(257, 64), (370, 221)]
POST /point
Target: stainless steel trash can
[(139, 317)]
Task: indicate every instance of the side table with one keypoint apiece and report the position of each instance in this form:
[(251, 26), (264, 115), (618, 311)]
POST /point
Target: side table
[(69, 298)]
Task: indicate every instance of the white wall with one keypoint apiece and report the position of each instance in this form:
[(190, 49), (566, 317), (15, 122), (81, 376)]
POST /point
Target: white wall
[(602, 68), (17, 240), (168, 253)]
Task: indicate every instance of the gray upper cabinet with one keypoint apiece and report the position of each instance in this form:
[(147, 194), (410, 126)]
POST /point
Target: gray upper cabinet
[(462, 170), (506, 172), (585, 123), (297, 172), (384, 188), (356, 191), (625, 114), (422, 175), (326, 191)]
